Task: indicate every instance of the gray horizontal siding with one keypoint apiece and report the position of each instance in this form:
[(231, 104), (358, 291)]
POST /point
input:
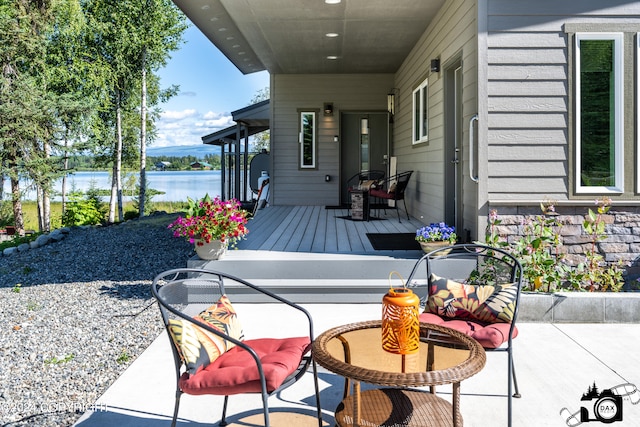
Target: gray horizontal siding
[(527, 91), (290, 93), (452, 35), (541, 137), (527, 99)]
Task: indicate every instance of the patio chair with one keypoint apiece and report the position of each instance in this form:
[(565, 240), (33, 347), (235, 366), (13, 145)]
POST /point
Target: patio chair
[(210, 353), (393, 189), (362, 182), (474, 289)]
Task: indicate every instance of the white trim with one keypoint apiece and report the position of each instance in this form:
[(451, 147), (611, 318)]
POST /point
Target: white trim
[(423, 95), (618, 187), (313, 140)]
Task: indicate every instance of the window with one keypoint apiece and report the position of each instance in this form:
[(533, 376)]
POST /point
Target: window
[(307, 139), (599, 112), (421, 113)]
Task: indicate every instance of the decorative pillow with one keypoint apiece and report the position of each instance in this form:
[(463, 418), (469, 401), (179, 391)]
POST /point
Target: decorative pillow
[(366, 185), (198, 347), (485, 303)]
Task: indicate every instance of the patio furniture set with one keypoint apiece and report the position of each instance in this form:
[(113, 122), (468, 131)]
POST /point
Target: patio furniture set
[(468, 300), (369, 189)]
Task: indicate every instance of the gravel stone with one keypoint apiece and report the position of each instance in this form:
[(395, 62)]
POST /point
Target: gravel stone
[(76, 313)]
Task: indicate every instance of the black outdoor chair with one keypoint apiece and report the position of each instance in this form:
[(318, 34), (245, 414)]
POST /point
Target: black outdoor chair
[(393, 189), (363, 181), (474, 289), (210, 353)]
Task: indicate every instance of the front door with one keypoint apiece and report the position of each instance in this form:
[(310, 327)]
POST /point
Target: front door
[(454, 205), (364, 145)]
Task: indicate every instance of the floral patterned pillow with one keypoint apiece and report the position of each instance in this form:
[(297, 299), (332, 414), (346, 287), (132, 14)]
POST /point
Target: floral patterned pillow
[(485, 303), (199, 347)]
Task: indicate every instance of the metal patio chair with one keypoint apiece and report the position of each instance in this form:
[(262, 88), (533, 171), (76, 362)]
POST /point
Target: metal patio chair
[(474, 289), (210, 353)]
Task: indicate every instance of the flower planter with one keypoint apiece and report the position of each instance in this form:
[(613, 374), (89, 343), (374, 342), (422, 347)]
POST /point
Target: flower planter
[(432, 246), (211, 251)]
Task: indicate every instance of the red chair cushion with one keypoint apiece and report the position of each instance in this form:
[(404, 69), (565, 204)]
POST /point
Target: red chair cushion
[(235, 371), (491, 335), (381, 193)]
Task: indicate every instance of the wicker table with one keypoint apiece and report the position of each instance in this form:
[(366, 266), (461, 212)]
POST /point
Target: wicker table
[(354, 351)]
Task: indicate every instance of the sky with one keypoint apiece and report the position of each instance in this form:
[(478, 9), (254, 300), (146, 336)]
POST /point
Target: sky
[(210, 88)]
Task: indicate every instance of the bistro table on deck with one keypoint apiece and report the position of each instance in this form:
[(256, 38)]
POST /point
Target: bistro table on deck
[(355, 352)]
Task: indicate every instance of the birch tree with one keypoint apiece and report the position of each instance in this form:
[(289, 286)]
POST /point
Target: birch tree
[(161, 29)]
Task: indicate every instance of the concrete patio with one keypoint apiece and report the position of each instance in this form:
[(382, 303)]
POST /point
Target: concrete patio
[(314, 257), (555, 363)]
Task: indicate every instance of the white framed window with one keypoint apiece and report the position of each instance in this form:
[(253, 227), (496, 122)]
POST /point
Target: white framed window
[(421, 113), (307, 139), (599, 113)]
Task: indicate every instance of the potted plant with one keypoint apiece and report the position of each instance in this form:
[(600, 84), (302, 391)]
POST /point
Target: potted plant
[(212, 225), (436, 235)]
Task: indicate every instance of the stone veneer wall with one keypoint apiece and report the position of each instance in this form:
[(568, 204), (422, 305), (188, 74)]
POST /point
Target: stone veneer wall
[(621, 244)]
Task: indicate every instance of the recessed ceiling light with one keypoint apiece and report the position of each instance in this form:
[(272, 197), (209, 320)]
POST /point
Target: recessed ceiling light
[(230, 38), (205, 7), (214, 19), (332, 1), (332, 35), (332, 57), (222, 29)]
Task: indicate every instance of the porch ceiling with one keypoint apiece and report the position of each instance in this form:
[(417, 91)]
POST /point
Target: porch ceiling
[(290, 36)]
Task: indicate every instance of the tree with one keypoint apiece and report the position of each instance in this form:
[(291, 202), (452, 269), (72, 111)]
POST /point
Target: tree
[(75, 79), (112, 25), (25, 106), (261, 140), (161, 29), (133, 38)]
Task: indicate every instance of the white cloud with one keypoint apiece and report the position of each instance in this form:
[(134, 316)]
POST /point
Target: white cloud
[(209, 115), (187, 127), (177, 115)]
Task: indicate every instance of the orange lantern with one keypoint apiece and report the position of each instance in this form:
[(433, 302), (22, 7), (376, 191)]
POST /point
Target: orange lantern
[(400, 321)]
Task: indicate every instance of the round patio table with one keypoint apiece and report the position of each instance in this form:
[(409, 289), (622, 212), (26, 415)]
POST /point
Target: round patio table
[(355, 352)]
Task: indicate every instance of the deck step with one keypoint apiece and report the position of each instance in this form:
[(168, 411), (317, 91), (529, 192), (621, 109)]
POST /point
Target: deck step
[(314, 277)]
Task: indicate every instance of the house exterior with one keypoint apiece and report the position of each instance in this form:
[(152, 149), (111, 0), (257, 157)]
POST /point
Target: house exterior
[(200, 165), (494, 104)]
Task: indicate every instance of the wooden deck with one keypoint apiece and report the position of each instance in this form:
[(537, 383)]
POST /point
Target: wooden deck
[(316, 229)]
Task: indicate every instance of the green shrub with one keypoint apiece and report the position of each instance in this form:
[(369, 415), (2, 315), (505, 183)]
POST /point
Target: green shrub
[(83, 211), (544, 263), (6, 213)]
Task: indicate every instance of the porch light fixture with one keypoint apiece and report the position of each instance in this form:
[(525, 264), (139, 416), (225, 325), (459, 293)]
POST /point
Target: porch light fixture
[(328, 109), (391, 103), (364, 126), (435, 65)]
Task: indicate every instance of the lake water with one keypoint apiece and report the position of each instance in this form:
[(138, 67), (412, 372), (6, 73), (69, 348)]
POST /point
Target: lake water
[(177, 185)]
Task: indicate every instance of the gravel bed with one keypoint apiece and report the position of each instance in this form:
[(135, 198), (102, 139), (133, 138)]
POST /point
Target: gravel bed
[(76, 313)]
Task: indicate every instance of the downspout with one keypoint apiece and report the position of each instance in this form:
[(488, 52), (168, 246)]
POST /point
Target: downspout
[(482, 130)]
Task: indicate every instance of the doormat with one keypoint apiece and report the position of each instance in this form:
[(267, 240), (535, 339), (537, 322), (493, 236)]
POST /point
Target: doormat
[(393, 241)]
